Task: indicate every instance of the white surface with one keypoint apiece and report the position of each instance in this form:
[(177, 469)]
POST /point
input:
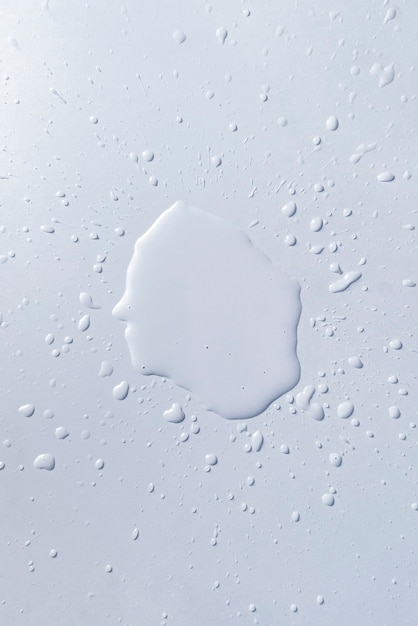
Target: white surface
[(110, 114)]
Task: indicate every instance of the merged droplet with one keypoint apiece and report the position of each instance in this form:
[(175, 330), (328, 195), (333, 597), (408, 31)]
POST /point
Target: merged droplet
[(174, 414)]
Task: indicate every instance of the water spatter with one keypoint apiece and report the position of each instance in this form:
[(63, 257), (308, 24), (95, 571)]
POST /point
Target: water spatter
[(209, 310)]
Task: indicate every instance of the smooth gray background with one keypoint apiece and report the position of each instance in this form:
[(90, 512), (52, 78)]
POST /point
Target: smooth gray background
[(250, 541)]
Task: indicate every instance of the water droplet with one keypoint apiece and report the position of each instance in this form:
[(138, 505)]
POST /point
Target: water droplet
[(99, 464), (45, 461), (394, 412), (345, 409), (252, 608), (211, 459), (320, 599), (313, 409), (106, 369), (148, 155), (135, 534), (328, 499), (27, 410), (121, 391), (239, 373), (316, 224), (84, 323), (385, 177), (408, 282), (108, 568), (174, 414), (390, 15), (179, 37), (290, 240), (355, 361), (386, 74), (221, 34), (289, 209), (293, 608), (346, 281), (332, 123), (47, 229), (257, 440), (335, 459), (53, 553), (284, 449), (86, 300), (395, 344), (61, 432), (295, 516)]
